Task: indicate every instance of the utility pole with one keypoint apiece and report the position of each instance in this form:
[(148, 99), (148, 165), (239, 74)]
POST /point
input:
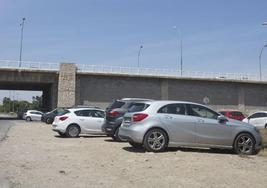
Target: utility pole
[(21, 40)]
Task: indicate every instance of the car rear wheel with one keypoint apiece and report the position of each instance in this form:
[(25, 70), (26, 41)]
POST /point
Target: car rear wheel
[(48, 121), (265, 126), (244, 144), (73, 131), (155, 140), (28, 119)]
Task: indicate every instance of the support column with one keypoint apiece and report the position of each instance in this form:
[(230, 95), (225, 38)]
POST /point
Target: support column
[(66, 85)]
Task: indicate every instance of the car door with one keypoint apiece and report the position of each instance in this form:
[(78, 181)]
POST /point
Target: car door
[(88, 122), (209, 131), (181, 128), (97, 120)]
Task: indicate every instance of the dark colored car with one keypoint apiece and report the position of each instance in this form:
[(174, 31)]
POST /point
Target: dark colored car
[(49, 117), (233, 114), (115, 112)]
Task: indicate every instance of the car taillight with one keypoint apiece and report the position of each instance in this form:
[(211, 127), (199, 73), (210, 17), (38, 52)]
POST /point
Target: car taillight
[(139, 117), (62, 118), (113, 113)]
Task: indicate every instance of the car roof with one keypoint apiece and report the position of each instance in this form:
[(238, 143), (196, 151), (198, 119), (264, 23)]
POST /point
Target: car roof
[(259, 112), (134, 99), (75, 109), (229, 111)]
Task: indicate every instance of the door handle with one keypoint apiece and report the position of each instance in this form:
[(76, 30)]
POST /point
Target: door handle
[(99, 121), (168, 117), (200, 121), (81, 119)]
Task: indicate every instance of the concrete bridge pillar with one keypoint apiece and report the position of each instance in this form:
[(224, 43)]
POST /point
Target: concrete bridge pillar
[(66, 85)]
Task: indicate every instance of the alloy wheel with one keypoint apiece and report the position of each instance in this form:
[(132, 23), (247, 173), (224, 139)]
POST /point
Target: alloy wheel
[(156, 140), (245, 144)]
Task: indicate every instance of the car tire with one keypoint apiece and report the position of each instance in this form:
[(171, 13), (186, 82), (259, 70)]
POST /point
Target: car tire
[(28, 119), (244, 144), (136, 145), (155, 140), (48, 121), (73, 130), (117, 136), (265, 126)]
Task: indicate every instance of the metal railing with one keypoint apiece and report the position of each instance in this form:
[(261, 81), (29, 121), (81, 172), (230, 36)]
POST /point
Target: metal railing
[(29, 65), (104, 69)]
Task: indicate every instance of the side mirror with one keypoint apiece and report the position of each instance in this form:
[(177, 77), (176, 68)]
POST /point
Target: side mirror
[(222, 119)]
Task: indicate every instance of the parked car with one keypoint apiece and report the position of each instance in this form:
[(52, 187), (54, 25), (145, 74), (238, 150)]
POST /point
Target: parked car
[(49, 117), (258, 119), (75, 121), (233, 114), (33, 115), (165, 124), (114, 115)]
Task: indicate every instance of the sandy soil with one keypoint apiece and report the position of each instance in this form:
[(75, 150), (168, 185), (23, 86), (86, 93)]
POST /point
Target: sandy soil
[(34, 156)]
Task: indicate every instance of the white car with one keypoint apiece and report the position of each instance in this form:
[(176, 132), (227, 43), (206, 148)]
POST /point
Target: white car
[(258, 119), (77, 121), (33, 115)]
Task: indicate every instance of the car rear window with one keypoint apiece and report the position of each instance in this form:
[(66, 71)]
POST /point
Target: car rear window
[(236, 113), (138, 107), (116, 104), (63, 112)]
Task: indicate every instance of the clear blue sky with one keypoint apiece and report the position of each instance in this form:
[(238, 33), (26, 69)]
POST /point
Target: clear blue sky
[(218, 35)]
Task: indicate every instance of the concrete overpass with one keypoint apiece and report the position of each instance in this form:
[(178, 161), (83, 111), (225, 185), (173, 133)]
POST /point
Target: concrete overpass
[(70, 84)]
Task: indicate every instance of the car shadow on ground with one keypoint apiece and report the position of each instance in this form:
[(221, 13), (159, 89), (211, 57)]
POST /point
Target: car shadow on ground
[(194, 150), (82, 136)]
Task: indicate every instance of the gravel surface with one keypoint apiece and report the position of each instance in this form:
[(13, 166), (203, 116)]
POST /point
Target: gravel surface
[(34, 156)]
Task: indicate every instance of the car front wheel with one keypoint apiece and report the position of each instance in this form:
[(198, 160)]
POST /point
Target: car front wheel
[(155, 140), (244, 144), (73, 131)]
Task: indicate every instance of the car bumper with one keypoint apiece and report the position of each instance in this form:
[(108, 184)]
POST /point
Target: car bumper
[(109, 128), (57, 128), (132, 134)]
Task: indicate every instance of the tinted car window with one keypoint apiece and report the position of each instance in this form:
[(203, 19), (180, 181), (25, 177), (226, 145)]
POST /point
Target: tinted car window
[(173, 109), (63, 112), (97, 113), (236, 113), (116, 104), (258, 115), (83, 113), (201, 111), (138, 107)]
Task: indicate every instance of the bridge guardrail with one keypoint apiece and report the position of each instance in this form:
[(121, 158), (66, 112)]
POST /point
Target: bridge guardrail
[(29, 65), (83, 68)]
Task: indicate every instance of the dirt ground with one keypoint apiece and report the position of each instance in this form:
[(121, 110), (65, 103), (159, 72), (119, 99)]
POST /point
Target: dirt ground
[(34, 156)]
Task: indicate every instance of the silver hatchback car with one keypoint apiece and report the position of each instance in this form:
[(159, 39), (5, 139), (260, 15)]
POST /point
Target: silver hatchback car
[(164, 124)]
